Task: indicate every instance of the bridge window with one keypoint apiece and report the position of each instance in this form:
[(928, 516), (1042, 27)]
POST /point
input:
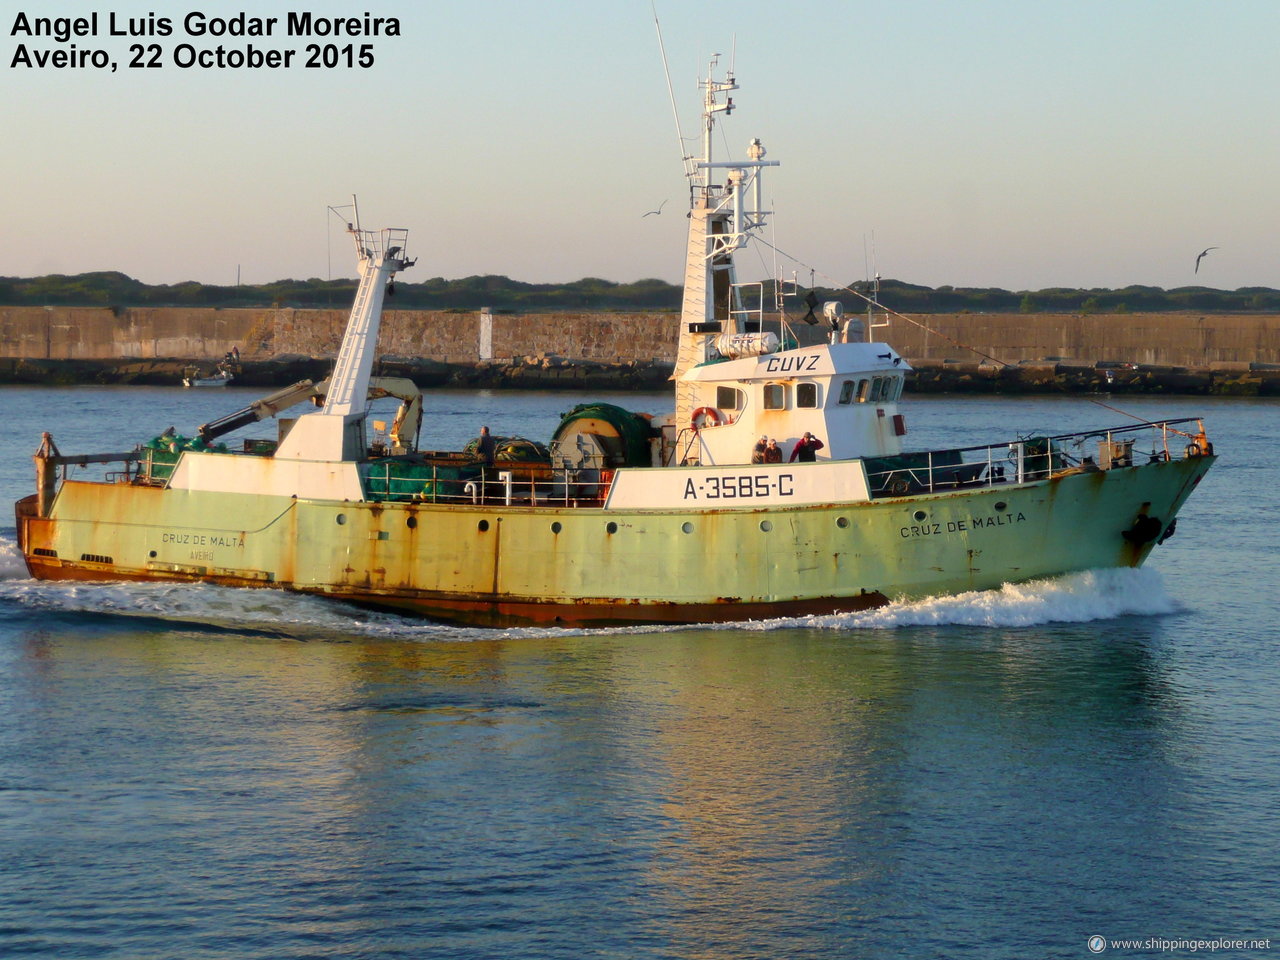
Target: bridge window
[(806, 394), (775, 396), (886, 389), (863, 387), (846, 390), (728, 398)]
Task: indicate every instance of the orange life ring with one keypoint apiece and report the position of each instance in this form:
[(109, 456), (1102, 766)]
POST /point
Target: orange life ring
[(710, 414)]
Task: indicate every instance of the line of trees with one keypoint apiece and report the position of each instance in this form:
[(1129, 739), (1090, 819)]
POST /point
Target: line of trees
[(113, 289), (911, 298)]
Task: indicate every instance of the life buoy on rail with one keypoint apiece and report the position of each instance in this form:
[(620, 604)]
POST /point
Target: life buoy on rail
[(705, 417), (1200, 446), (898, 486)]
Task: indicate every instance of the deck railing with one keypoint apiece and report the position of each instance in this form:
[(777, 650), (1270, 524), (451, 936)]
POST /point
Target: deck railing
[(1031, 458), (489, 485), (1023, 460)]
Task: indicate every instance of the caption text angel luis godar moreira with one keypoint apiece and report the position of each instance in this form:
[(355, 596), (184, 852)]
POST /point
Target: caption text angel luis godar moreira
[(197, 41)]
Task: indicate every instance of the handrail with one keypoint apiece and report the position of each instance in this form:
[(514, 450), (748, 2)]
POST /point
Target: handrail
[(1026, 459), (689, 436), (1020, 461), (1106, 432)]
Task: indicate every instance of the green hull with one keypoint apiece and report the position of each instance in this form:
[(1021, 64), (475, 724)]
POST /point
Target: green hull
[(530, 564)]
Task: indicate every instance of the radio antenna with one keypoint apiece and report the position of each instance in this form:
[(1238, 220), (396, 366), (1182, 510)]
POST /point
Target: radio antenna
[(675, 113)]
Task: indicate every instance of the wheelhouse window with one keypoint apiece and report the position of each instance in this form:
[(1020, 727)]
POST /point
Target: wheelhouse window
[(806, 394), (884, 389), (730, 398), (873, 390), (775, 396)]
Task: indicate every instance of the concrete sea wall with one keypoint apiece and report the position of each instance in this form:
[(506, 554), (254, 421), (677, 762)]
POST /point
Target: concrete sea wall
[(101, 333), (588, 349)]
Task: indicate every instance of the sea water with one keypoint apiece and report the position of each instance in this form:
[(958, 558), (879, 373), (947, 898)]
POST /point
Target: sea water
[(196, 772)]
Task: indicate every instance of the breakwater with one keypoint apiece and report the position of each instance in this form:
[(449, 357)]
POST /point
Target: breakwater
[(532, 373), (560, 373), (1149, 353)]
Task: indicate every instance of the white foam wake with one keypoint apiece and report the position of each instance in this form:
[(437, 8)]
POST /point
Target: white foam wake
[(11, 565), (1074, 598)]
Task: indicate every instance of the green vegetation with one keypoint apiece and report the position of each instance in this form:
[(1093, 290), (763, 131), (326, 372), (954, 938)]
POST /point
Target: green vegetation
[(911, 298), (468, 293), (591, 293)]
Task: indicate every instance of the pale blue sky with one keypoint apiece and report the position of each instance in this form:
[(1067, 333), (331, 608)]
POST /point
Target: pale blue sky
[(1013, 144)]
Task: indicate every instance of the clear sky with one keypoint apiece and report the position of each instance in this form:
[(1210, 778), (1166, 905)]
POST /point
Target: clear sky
[(1028, 144)]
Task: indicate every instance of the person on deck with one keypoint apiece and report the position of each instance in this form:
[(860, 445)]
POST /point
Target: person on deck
[(485, 447), (757, 452), (806, 449), (773, 452)]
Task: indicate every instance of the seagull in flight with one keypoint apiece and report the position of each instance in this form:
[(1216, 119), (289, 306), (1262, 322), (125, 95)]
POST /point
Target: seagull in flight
[(659, 210), (1201, 257)]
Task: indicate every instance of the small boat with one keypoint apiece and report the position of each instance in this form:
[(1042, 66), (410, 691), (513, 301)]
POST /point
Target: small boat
[(223, 374), (623, 517)]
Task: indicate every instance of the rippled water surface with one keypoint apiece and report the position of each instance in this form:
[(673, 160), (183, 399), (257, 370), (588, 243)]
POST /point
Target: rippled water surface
[(203, 773)]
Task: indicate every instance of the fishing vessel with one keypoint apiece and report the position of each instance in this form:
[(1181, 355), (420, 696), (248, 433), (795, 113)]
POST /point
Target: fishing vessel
[(622, 517)]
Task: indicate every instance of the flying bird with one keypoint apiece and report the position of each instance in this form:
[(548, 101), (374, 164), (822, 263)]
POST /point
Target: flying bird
[(659, 210), (1201, 257)]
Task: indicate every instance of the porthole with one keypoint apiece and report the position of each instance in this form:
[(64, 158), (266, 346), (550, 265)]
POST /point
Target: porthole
[(842, 522), (610, 527), (152, 554), (919, 515), (766, 525), (341, 518), (411, 522), (482, 526), (1001, 505), (687, 527), (556, 527)]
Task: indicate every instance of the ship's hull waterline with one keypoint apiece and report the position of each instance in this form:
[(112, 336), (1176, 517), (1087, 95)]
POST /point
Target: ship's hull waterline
[(519, 564)]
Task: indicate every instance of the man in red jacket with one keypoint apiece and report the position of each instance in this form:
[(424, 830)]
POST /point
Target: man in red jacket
[(807, 448)]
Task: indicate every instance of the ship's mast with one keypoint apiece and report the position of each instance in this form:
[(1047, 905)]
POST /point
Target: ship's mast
[(336, 432), (726, 205)]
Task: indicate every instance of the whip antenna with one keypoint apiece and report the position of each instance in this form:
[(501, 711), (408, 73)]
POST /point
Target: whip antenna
[(675, 113)]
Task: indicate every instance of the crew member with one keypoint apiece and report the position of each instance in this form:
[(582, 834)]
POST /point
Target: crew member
[(807, 448), (485, 447)]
